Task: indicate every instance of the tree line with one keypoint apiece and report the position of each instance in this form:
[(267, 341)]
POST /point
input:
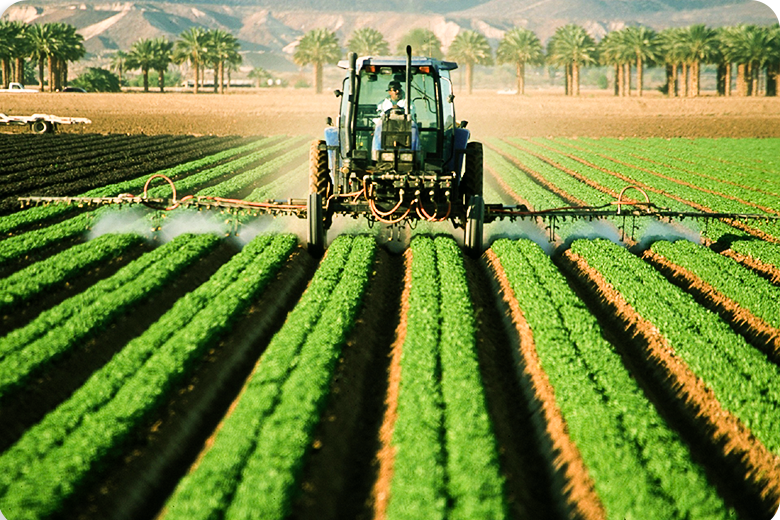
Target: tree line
[(54, 45), (749, 51)]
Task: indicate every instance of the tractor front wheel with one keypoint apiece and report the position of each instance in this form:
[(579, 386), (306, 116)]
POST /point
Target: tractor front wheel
[(475, 220), (317, 233)]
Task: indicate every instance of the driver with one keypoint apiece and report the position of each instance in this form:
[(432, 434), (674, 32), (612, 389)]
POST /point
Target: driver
[(395, 98)]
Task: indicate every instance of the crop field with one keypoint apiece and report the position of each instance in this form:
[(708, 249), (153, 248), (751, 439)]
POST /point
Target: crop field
[(198, 365)]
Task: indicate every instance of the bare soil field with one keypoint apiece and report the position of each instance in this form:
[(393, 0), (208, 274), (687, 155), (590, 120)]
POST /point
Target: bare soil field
[(296, 112)]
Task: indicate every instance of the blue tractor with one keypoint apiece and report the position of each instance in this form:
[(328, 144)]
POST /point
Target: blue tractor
[(400, 156)]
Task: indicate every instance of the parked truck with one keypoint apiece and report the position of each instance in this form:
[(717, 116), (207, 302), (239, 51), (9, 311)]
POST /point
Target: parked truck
[(17, 87)]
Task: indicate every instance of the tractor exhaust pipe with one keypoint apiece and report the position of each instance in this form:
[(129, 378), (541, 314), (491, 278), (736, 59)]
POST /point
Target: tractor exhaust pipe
[(408, 80), (351, 112)]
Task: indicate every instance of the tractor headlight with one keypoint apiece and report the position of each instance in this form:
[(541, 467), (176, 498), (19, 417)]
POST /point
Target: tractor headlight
[(406, 157), (387, 156)]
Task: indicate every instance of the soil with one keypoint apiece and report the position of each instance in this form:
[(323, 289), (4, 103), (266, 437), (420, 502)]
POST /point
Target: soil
[(301, 112)]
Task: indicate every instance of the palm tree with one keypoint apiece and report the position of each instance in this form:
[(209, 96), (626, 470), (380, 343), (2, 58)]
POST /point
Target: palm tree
[(118, 64), (260, 75), (572, 47), (6, 51), (698, 44), (318, 47), (70, 47), (670, 51), (423, 41), (641, 43), (755, 47), (163, 55), (521, 47), (471, 48), (41, 38), (142, 55), (773, 67), (20, 49), (222, 47), (191, 47), (611, 51), (368, 42)]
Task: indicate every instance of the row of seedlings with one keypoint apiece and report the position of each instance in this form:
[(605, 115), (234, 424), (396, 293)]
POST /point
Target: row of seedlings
[(612, 454), (53, 459), (252, 467)]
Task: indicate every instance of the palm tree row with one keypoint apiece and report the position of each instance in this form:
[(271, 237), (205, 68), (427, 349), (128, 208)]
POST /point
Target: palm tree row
[(680, 50), (51, 45), (197, 47)]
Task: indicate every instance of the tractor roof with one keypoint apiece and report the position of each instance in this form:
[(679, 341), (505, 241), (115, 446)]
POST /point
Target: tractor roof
[(400, 61)]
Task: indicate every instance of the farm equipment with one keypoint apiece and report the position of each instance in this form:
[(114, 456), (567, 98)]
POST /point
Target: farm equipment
[(42, 123), (412, 162)]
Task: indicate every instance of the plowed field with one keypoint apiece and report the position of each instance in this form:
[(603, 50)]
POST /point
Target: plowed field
[(153, 367)]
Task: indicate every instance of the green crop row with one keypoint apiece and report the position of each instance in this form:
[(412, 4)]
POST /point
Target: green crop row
[(714, 229), (695, 196), (446, 460), (10, 223), (32, 241), (61, 328), (541, 198), (17, 246), (553, 175), (49, 462), (742, 379), (62, 267), (741, 158), (744, 287), (195, 181), (247, 178), (623, 441), (253, 466), (653, 154)]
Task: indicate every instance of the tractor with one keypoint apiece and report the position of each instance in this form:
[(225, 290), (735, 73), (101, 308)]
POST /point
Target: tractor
[(396, 162)]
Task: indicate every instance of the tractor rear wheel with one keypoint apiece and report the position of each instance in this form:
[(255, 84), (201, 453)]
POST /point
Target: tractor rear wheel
[(471, 182), (475, 220), (319, 175)]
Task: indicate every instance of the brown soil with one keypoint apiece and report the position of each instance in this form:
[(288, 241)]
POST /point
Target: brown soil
[(753, 479), (576, 484), (294, 112), (386, 454)]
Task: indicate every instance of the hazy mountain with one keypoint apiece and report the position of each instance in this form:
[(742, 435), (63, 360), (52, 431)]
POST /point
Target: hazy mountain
[(268, 30)]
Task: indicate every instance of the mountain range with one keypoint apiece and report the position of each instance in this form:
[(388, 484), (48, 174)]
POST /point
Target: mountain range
[(268, 30)]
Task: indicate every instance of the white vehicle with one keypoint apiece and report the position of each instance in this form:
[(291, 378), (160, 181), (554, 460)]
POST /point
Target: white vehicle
[(42, 123), (17, 87)]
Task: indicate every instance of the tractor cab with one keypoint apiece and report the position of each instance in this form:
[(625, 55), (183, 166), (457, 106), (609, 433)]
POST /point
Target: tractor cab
[(418, 134)]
